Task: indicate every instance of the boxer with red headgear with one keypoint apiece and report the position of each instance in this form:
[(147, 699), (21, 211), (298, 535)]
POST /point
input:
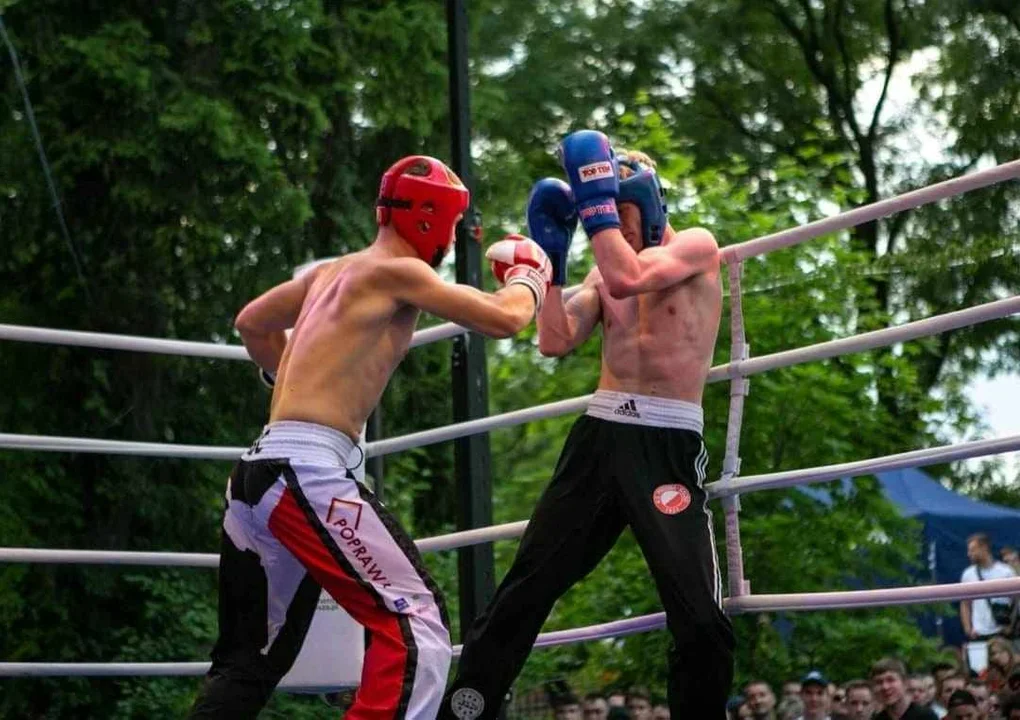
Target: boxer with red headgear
[(297, 521), (423, 199)]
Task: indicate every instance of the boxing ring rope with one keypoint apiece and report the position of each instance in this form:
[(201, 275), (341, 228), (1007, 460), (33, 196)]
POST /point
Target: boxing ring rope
[(873, 211), (616, 628), (727, 489), (739, 350), (820, 351), (914, 458), (189, 348), (212, 351), (449, 541), (731, 253), (716, 490)]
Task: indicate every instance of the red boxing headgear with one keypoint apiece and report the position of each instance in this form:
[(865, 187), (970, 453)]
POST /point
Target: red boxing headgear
[(422, 198)]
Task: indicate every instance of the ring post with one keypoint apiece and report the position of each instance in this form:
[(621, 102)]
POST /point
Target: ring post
[(739, 352)]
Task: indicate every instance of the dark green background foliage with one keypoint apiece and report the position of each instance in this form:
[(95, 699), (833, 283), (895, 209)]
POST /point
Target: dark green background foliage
[(203, 149)]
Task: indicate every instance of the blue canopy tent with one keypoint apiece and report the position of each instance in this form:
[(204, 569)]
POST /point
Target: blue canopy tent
[(949, 519)]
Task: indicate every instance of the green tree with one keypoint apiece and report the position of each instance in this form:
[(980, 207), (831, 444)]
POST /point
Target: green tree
[(200, 151), (203, 149)]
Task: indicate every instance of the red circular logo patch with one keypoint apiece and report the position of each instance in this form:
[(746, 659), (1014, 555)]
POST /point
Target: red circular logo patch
[(671, 499)]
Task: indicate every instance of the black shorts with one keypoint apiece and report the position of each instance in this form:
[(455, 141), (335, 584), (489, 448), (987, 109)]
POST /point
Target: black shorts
[(612, 474)]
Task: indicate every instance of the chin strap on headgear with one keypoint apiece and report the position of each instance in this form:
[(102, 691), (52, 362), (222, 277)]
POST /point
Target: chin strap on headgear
[(644, 190), (422, 198)]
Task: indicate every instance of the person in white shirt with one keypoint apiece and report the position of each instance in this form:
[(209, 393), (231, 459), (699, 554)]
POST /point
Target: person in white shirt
[(977, 616)]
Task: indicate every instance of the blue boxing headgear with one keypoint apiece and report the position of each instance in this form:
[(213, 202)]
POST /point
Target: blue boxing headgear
[(644, 190)]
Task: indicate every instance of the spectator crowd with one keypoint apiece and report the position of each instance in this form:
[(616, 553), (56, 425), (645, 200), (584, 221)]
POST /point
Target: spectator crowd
[(891, 693), (965, 690)]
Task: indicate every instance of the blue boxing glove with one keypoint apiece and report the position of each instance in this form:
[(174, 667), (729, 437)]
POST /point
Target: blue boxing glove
[(552, 219), (594, 177)]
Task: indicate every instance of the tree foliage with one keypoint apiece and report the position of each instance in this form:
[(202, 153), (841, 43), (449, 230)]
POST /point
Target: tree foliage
[(201, 150)]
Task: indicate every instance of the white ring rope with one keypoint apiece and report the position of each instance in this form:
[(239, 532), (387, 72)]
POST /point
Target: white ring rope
[(820, 351), (449, 541), (715, 490), (136, 343), (147, 669), (873, 211), (740, 368), (212, 351), (914, 458), (870, 340), (472, 427), (55, 443), (730, 253), (616, 628)]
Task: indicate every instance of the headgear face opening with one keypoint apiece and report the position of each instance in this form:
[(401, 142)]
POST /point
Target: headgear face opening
[(422, 198), (644, 190)]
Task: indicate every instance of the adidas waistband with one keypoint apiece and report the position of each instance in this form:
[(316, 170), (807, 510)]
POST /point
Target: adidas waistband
[(645, 410)]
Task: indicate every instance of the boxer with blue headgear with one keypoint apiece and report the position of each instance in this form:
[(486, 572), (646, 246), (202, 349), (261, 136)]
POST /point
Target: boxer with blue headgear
[(640, 186), (637, 457)]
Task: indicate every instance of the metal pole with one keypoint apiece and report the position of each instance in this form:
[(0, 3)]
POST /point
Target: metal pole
[(731, 462), (470, 379)]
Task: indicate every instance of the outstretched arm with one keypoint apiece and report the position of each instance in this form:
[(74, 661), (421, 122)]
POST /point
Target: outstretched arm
[(965, 618), (564, 326), (262, 322), (689, 253), (499, 315)]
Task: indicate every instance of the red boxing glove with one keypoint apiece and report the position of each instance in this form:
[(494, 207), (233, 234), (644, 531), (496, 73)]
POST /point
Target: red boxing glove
[(519, 260)]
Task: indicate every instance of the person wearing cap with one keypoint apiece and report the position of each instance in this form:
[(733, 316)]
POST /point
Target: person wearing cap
[(962, 705), (814, 693), (889, 680)]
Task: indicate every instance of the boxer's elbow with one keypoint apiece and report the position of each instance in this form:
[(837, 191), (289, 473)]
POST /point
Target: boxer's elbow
[(552, 343), (621, 286), (552, 347), (247, 323)]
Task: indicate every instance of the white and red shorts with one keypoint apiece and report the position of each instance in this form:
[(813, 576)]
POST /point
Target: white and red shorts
[(297, 521)]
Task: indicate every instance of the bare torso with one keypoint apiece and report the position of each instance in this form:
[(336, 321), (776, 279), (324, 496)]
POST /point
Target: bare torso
[(661, 343), (347, 341)]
